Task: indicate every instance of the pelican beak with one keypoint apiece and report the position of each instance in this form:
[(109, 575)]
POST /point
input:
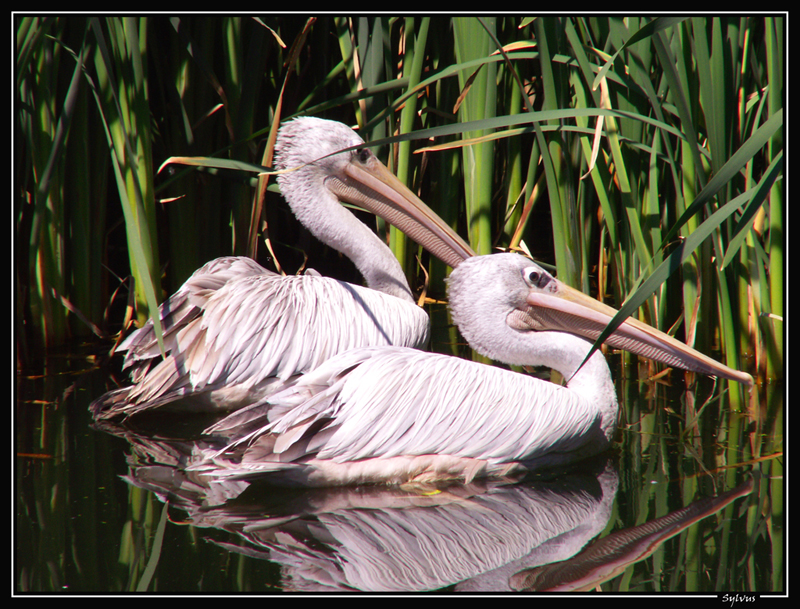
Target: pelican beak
[(566, 309), (373, 187)]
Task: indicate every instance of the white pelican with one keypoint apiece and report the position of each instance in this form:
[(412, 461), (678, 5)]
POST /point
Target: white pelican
[(235, 332), (397, 415)]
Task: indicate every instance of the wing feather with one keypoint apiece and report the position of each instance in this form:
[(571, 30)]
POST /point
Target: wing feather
[(386, 402), (235, 324)]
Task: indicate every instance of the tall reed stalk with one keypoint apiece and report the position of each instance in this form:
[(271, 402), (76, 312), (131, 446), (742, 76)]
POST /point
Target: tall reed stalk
[(122, 97)]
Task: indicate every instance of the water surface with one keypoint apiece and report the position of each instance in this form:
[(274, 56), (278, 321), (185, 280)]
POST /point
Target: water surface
[(91, 513)]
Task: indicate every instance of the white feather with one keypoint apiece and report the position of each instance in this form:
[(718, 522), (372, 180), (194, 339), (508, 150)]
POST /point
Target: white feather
[(234, 331), (394, 414)]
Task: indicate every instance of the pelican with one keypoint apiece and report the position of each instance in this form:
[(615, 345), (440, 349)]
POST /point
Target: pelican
[(396, 415), (235, 332)]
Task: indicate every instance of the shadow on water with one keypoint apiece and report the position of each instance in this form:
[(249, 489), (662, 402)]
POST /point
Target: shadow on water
[(678, 508)]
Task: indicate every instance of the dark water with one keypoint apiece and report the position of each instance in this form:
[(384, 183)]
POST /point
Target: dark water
[(90, 515)]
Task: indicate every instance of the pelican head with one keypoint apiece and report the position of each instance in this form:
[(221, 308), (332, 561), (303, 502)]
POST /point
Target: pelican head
[(519, 297), (313, 154)]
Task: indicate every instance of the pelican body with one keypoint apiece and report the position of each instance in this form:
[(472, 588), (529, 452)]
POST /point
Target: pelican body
[(395, 415), (236, 332)]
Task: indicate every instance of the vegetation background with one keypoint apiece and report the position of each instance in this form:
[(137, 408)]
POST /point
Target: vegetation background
[(492, 121)]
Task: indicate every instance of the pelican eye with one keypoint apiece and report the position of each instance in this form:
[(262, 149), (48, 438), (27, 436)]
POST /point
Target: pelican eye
[(536, 277), (363, 154)]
